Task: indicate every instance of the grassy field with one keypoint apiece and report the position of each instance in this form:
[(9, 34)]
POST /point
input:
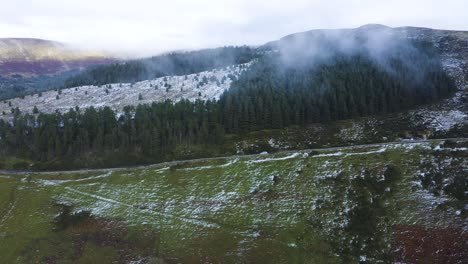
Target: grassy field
[(320, 207)]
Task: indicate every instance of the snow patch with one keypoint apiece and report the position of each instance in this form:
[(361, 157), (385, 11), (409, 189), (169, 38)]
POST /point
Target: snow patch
[(207, 85), (292, 156), (58, 182), (212, 166)]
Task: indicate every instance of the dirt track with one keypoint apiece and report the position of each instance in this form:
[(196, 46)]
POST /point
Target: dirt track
[(176, 162)]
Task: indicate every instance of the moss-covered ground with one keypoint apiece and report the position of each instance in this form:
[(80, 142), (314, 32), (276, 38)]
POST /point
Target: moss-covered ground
[(335, 206)]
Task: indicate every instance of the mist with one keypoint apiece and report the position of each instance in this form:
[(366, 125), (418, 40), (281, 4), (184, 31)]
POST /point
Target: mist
[(384, 46), (143, 28)]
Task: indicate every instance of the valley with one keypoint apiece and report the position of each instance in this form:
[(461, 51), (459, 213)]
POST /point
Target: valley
[(326, 146), (286, 207)]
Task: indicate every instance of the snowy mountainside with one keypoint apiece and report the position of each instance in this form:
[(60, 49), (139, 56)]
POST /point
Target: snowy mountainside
[(453, 50), (205, 85), (450, 46)]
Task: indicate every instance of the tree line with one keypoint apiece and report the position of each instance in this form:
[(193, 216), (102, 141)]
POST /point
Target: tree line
[(271, 95), (177, 63), (152, 131), (268, 95)]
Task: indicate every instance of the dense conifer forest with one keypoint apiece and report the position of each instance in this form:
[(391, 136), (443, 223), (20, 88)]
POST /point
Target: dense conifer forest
[(178, 63), (270, 94), (274, 94)]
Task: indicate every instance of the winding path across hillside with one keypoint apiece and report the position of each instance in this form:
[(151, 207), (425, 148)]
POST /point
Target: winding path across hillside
[(176, 162)]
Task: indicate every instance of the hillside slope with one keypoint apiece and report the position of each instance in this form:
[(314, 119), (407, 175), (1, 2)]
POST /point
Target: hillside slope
[(31, 57), (381, 204), (367, 95), (205, 85), (451, 48), (34, 65)]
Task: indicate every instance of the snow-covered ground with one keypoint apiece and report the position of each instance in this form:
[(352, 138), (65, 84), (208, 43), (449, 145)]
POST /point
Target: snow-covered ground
[(440, 117), (452, 111), (440, 121), (262, 201), (205, 85), (452, 48)]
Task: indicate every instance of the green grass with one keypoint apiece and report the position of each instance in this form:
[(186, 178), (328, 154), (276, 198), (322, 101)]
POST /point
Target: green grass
[(13, 163), (249, 210)]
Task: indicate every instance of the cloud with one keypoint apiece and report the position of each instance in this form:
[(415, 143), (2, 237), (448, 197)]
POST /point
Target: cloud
[(145, 27)]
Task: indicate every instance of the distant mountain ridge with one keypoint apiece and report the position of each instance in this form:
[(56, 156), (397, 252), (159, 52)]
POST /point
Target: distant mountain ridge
[(446, 41), (405, 82), (32, 57)]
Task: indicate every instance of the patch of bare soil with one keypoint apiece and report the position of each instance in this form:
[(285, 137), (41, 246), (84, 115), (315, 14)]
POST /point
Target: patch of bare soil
[(419, 244)]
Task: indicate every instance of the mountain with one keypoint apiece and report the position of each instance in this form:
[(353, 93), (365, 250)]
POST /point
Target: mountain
[(32, 57), (443, 40), (380, 43), (34, 65), (173, 63), (450, 45), (391, 83), (327, 146)]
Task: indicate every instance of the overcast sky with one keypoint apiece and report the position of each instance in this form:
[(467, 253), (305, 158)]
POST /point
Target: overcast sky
[(144, 27)]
